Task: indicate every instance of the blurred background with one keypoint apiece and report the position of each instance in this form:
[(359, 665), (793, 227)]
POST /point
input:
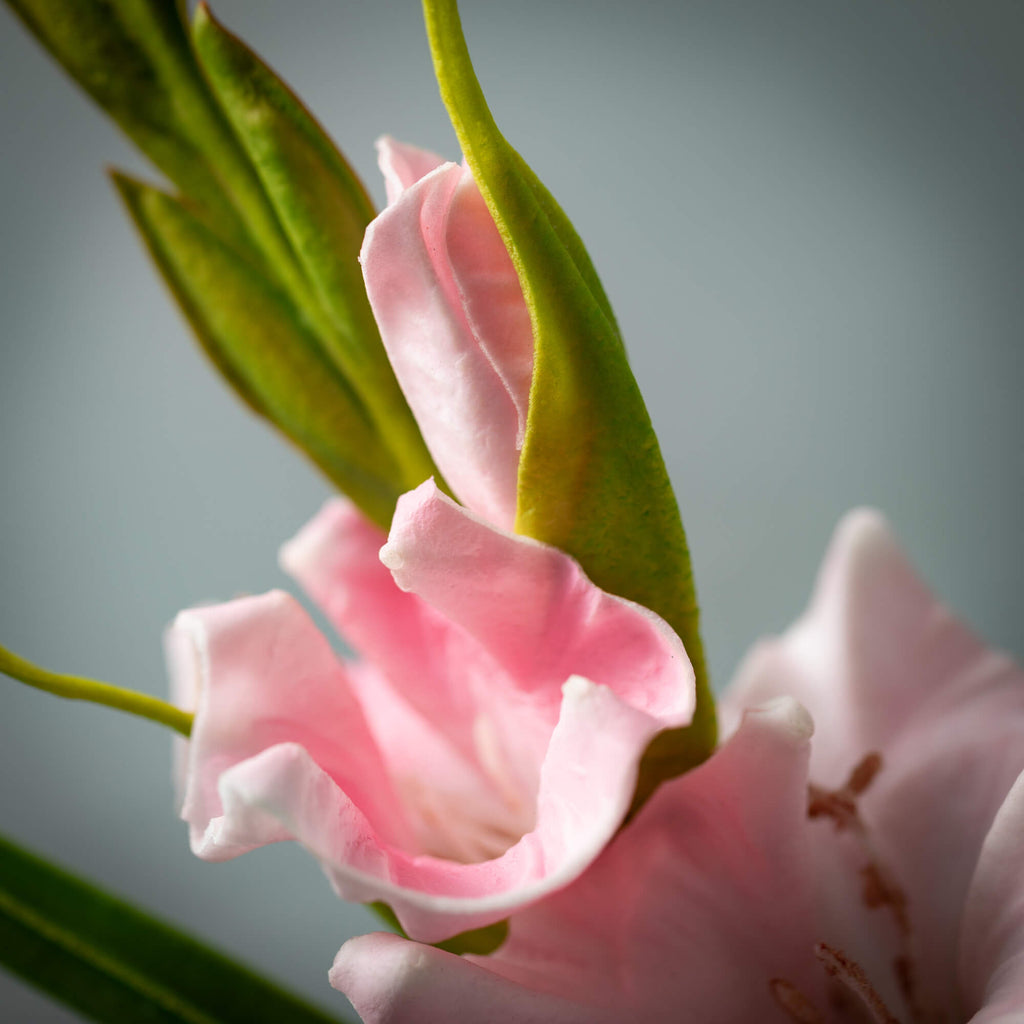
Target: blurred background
[(808, 218)]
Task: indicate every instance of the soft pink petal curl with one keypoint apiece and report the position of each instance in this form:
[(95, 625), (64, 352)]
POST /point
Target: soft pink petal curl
[(529, 692), (455, 325)]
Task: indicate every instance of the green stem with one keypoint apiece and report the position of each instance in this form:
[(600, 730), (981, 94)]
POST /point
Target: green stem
[(78, 688)]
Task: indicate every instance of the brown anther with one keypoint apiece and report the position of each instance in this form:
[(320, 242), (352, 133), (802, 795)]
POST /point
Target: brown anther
[(864, 773), (828, 803), (794, 1003), (841, 804)]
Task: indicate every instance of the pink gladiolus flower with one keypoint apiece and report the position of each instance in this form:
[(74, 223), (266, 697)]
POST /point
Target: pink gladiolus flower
[(482, 752), (453, 320), (874, 873)]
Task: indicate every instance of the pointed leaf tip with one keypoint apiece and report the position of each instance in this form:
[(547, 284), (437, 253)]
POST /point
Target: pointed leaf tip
[(253, 334), (324, 211)]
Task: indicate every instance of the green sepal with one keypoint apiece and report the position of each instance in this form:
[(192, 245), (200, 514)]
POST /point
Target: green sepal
[(478, 941), (111, 962), (592, 480), (255, 337), (325, 211)]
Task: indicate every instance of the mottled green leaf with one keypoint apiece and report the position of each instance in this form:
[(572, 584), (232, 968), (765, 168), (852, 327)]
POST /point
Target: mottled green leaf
[(592, 480), (111, 962), (252, 332), (325, 210)]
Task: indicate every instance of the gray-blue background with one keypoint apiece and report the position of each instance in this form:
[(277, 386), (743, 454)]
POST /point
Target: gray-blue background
[(808, 217)]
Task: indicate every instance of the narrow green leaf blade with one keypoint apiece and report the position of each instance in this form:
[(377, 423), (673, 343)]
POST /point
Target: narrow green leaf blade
[(114, 963), (134, 58), (324, 210), (135, 61), (592, 480), (251, 331)]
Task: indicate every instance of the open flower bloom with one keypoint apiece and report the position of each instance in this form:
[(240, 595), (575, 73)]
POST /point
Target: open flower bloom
[(872, 873), (479, 755), (454, 323)]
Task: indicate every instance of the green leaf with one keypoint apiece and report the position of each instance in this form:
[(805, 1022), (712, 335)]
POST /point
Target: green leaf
[(252, 332), (135, 61), (113, 963), (256, 169), (325, 210), (592, 480)]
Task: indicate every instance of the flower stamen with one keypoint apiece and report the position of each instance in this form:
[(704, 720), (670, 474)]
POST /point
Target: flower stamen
[(794, 1003), (839, 966), (880, 889)]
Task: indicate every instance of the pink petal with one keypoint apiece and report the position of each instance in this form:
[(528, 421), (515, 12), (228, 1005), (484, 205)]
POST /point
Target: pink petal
[(496, 625), (587, 781), (533, 609), (262, 676), (457, 331), (537, 762), (884, 668), (335, 558), (403, 165), (450, 802), (390, 980), (992, 936), (697, 910)]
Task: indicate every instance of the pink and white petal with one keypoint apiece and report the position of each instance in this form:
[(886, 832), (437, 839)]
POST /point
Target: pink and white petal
[(533, 609), (336, 559), (874, 655), (282, 793), (486, 718), (590, 772), (492, 296), (461, 402), (261, 674), (452, 804), (587, 781), (992, 935), (403, 165), (933, 804), (586, 785), (885, 668), (700, 906), (390, 980)]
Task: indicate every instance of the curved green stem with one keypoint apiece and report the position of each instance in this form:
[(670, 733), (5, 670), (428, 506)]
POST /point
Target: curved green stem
[(77, 688)]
